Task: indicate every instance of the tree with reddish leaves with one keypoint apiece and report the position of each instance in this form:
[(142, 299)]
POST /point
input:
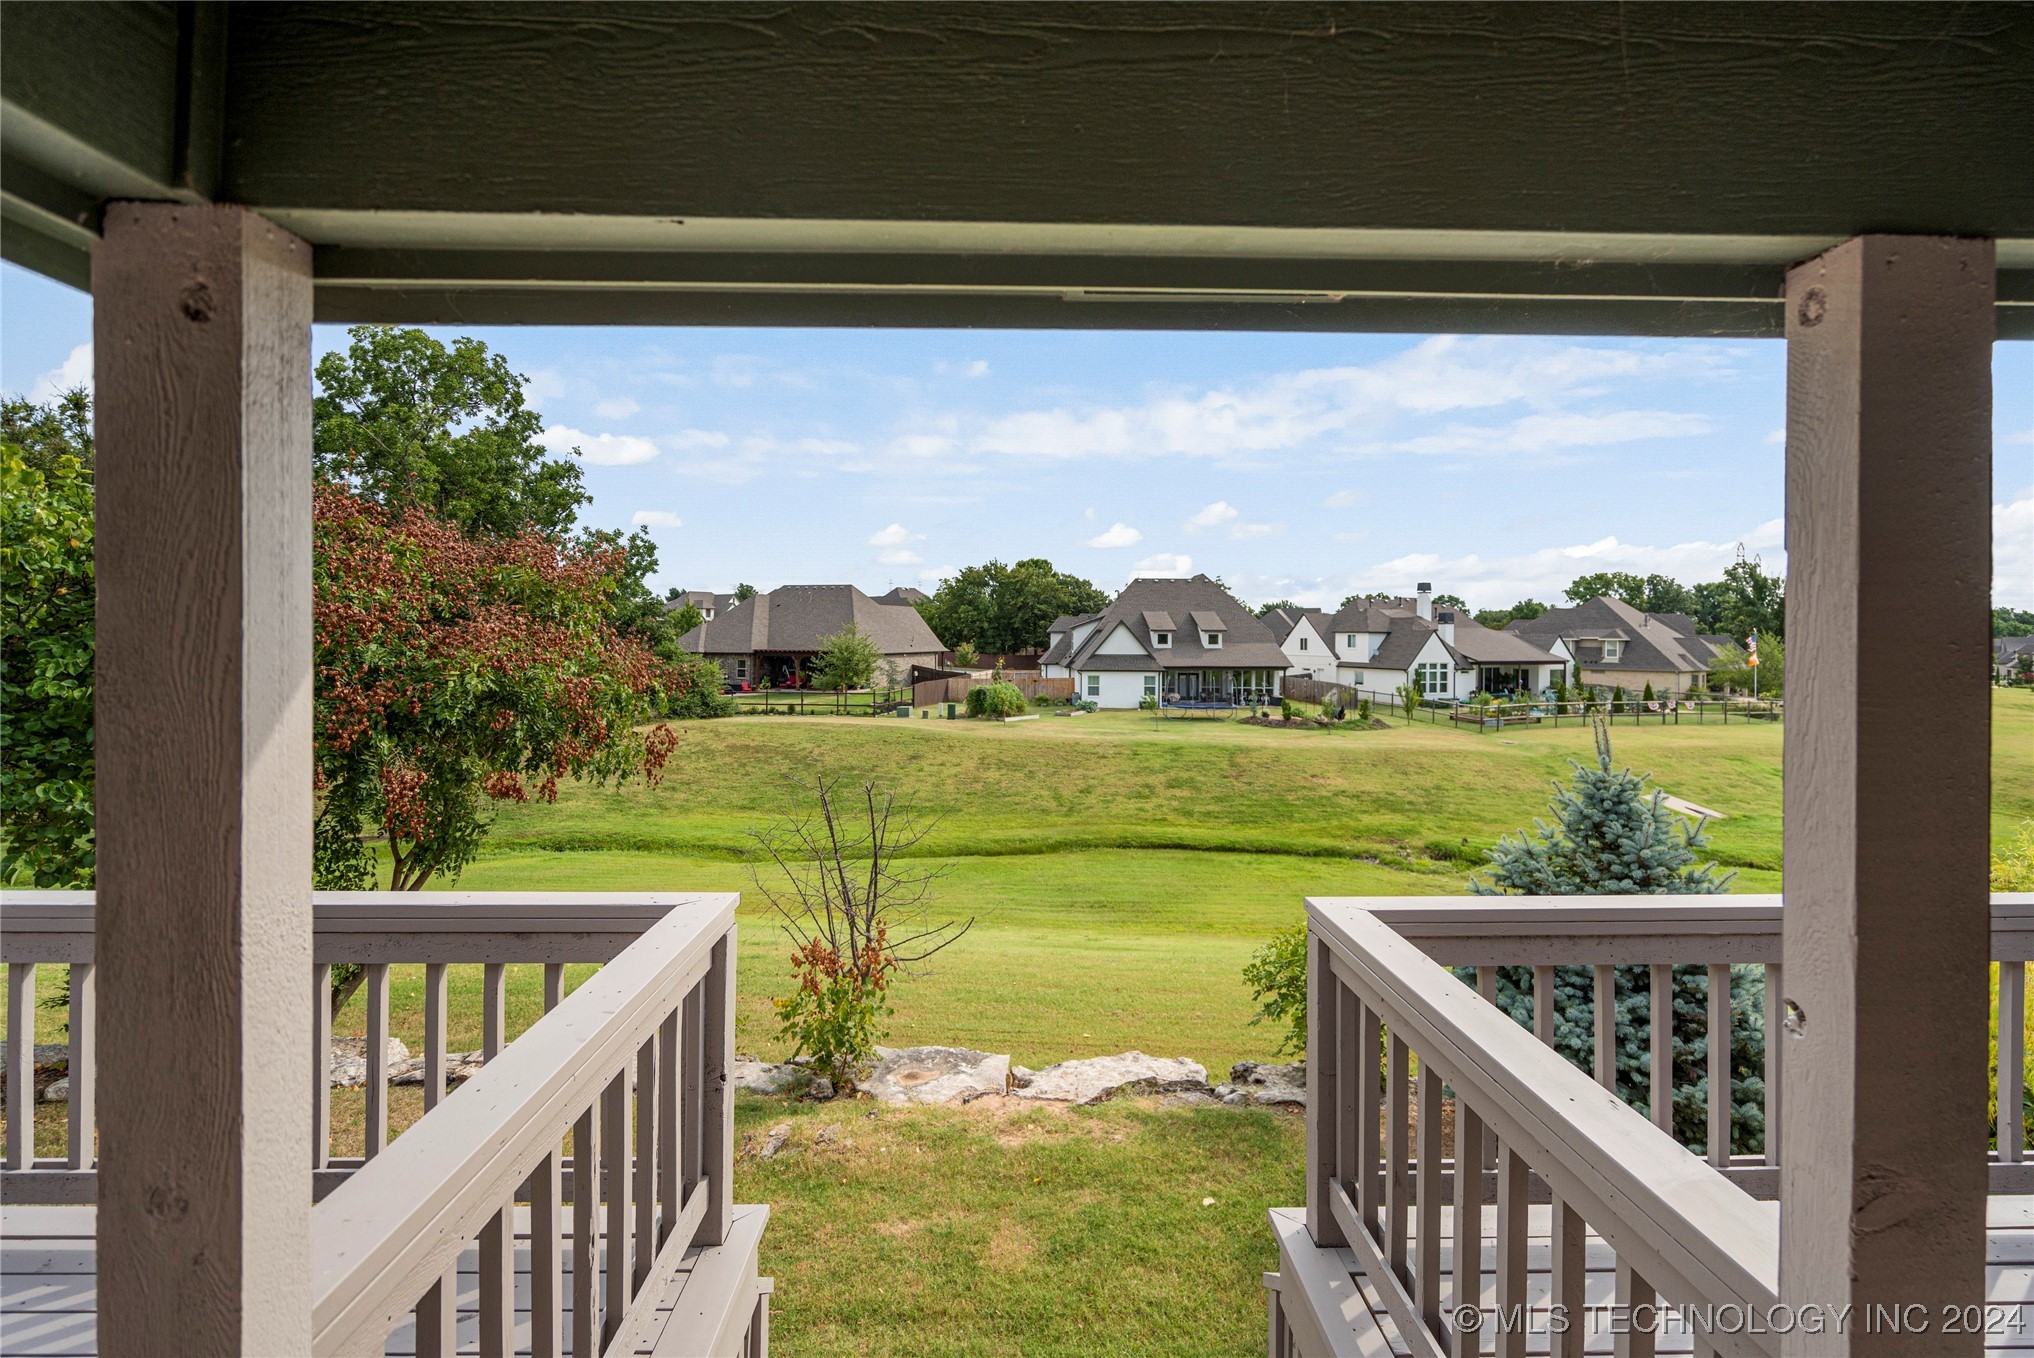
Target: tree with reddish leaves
[(453, 671)]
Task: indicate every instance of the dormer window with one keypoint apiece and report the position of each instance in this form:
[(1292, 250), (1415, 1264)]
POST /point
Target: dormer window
[(1212, 640), (707, 614), (1612, 650), (1352, 640), (1161, 640)]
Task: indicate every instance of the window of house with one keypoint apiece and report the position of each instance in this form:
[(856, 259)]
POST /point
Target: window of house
[(741, 669), (1161, 638), (1352, 639), (1431, 678), (1094, 686), (1212, 640), (1612, 649), (1151, 686), (708, 615), (1303, 646)]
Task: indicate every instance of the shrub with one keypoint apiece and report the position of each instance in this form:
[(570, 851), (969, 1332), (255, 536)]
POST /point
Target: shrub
[(965, 655), (698, 691), (1647, 696), (995, 700), (1409, 698), (1289, 709), (1363, 710), (2013, 869), (847, 659), (841, 878), (1088, 704), (1617, 699), (1147, 704), (1277, 977)]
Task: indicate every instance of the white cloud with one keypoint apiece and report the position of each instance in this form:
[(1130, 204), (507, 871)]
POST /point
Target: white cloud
[(829, 447), (1165, 563), (616, 408), (2013, 552), (1549, 433), (601, 450), (1777, 438), (934, 575), (1342, 499), (922, 446), (542, 385), (74, 371), (1284, 411), (1255, 532), (973, 368), (657, 518), (896, 535), (1220, 512), (900, 556), (1117, 535)]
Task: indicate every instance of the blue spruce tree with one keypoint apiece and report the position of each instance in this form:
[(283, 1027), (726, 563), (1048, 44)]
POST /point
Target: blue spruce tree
[(1609, 837)]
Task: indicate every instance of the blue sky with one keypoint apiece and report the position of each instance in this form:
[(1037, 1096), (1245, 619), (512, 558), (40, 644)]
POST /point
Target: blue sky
[(1294, 466)]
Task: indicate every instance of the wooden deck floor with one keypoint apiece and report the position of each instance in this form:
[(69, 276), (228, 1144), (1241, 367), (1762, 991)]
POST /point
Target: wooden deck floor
[(2009, 1282), (48, 1291)]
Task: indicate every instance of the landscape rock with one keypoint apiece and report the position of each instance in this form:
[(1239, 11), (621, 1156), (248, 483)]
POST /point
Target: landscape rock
[(773, 1141), (46, 1054), (347, 1068), (935, 1074), (1268, 1086), (458, 1066), (828, 1135), (1020, 1077), (56, 1091), (820, 1090), (763, 1077), (1098, 1079)]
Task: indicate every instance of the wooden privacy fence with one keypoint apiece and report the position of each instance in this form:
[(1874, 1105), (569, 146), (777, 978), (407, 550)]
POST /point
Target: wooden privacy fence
[(931, 692), (634, 1068)]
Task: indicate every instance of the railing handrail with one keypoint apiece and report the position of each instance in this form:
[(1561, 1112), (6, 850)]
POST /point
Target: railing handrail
[(390, 926), (400, 1221), (1585, 930), (1686, 1228)]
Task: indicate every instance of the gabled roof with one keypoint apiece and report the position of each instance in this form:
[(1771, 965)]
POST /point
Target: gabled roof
[(1475, 644), (1060, 631), (801, 617), (1282, 622), (1402, 645), (1158, 621), (1246, 642), (1652, 641), (1368, 615), (702, 599), (903, 594)]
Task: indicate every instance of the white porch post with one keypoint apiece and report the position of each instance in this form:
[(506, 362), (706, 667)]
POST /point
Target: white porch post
[(1889, 412), (202, 328)]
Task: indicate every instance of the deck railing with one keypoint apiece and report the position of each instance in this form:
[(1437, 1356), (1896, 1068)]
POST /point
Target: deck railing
[(623, 1086), (1393, 1034)]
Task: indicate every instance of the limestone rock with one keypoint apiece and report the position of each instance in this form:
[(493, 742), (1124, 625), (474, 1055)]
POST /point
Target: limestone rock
[(56, 1091), (1268, 1086), (348, 1066), (46, 1054), (763, 1077), (458, 1066), (1101, 1078), (820, 1090), (773, 1141), (935, 1074)]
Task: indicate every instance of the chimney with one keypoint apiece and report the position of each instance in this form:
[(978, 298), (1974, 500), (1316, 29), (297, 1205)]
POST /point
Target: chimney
[(1447, 621), (1426, 600)]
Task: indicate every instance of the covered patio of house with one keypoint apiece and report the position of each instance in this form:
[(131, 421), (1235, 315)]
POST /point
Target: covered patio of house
[(1854, 179)]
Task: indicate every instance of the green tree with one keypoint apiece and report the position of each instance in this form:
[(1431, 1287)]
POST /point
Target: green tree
[(1732, 668), (1007, 608), (965, 655), (1647, 696), (1652, 593), (1744, 601), (743, 593), (1409, 699), (1277, 977), (1264, 610), (1610, 837), (847, 659), (406, 420), (452, 671), (1523, 609), (1617, 699), (1454, 601), (2013, 622), (685, 619), (47, 596)]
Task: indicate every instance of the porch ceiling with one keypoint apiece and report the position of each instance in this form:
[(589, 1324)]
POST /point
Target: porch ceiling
[(1549, 168)]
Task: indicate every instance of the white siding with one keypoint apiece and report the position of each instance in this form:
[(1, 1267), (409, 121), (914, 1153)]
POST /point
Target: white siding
[(1317, 658), (1122, 641), (1118, 689)]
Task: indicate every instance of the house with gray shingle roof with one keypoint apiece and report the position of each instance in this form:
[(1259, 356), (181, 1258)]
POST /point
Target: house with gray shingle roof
[(1614, 645), (709, 604), (1180, 640), (1380, 644), (2008, 653), (772, 638), (1303, 634)]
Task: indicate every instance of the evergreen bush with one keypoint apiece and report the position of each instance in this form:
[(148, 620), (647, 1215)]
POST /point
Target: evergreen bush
[(995, 700), (1609, 837)]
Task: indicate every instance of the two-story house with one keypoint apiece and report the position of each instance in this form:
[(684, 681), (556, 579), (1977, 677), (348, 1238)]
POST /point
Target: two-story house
[(1187, 641)]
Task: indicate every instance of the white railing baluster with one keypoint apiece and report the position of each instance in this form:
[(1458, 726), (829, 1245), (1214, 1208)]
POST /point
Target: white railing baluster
[(1468, 1289), (645, 1187), (435, 1021), (21, 1065), (1632, 1291), (554, 985), (1427, 1200), (82, 1143), (1776, 1039), (436, 1312), (1569, 1248), (1369, 1118), (1719, 1109), (546, 1295), (375, 1131), (1348, 1098), (1324, 999), (586, 1234), (321, 1065), (1605, 1017), (2012, 1053), (1546, 1004), (1398, 1179), (498, 1284), (716, 1149), (614, 1189), (1511, 1251), (1661, 1022), (670, 1185), (693, 1024), (494, 1010)]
